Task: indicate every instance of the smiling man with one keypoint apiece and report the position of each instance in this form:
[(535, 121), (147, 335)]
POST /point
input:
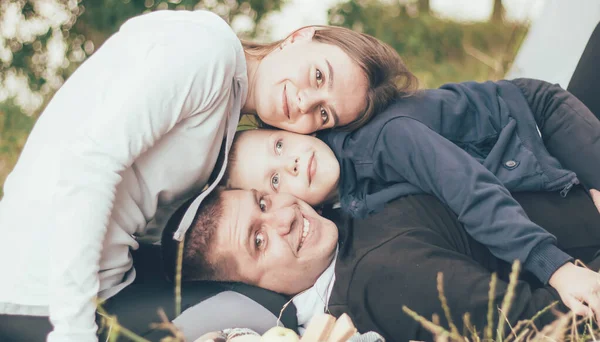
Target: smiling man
[(278, 243), (370, 268), (274, 242)]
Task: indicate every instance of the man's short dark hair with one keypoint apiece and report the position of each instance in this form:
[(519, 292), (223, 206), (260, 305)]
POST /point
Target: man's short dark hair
[(198, 261)]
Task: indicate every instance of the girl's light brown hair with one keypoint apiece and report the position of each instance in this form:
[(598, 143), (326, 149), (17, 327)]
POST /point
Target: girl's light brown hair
[(387, 75)]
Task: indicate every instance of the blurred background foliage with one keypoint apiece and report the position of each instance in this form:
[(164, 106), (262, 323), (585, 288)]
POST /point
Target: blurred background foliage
[(437, 50), (43, 41)]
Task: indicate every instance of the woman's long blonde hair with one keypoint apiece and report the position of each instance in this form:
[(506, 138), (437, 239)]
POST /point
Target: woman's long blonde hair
[(387, 75)]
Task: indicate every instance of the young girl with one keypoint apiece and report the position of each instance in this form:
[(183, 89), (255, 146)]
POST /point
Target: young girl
[(469, 144), (136, 131)]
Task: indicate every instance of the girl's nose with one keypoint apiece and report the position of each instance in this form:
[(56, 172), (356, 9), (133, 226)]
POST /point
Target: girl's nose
[(292, 166)]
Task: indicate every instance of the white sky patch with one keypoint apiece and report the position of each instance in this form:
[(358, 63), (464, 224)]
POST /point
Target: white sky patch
[(478, 10), (299, 13)]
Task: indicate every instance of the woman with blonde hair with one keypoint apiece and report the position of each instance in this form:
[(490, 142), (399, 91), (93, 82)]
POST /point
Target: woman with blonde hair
[(137, 130)]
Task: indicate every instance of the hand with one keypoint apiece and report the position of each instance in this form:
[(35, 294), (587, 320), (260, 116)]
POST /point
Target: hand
[(596, 198), (576, 286)]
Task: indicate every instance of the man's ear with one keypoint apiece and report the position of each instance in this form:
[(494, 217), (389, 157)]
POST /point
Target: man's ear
[(303, 34)]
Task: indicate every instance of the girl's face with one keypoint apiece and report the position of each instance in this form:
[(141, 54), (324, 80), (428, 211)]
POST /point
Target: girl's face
[(273, 161), (308, 86)]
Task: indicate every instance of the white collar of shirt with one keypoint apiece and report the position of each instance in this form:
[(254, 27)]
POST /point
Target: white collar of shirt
[(315, 299)]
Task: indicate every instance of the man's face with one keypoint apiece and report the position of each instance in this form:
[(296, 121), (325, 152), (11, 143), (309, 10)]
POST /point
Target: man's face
[(277, 241)]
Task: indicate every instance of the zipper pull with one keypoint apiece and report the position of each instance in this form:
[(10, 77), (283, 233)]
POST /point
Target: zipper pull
[(566, 189)]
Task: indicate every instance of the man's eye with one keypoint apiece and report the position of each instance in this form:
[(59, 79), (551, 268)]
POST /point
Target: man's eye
[(278, 146), (262, 204), (319, 77), (324, 116), (259, 240), (275, 181)]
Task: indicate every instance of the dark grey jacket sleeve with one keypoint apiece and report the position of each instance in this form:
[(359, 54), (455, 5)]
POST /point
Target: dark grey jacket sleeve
[(407, 150), (410, 281)]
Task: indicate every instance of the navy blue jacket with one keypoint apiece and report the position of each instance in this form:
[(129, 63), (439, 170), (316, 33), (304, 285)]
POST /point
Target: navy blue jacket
[(469, 144)]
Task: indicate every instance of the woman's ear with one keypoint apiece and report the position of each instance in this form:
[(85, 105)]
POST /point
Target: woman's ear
[(303, 34)]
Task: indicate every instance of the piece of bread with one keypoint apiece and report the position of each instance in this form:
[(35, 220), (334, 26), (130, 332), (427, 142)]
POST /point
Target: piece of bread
[(342, 330), (319, 328)]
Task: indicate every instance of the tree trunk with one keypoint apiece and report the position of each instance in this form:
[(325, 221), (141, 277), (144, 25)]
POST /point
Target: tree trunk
[(424, 6), (498, 11)]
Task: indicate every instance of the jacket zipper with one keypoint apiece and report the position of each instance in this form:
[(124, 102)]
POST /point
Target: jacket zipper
[(568, 187)]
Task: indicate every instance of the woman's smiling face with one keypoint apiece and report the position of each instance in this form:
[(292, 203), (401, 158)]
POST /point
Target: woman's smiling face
[(273, 161), (308, 86)]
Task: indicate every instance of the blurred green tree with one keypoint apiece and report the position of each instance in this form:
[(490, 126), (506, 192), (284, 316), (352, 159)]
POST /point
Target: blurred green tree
[(43, 41), (437, 50), (424, 6)]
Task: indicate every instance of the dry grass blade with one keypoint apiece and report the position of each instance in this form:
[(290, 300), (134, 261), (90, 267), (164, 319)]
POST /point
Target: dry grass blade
[(466, 324), (178, 278), (435, 329), (574, 331), (515, 331), (492, 63), (541, 312), (115, 329), (508, 298), (580, 264), (501, 314), (487, 335), (470, 327), (523, 335), (442, 338), (166, 324), (554, 331), (591, 331), (587, 325), (113, 336), (444, 301)]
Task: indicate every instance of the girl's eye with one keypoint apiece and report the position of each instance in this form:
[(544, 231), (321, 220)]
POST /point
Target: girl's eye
[(319, 77), (275, 181), (324, 116), (278, 146), (259, 241), (263, 205)]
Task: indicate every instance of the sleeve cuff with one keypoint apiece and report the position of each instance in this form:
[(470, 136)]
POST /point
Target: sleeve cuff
[(544, 260)]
